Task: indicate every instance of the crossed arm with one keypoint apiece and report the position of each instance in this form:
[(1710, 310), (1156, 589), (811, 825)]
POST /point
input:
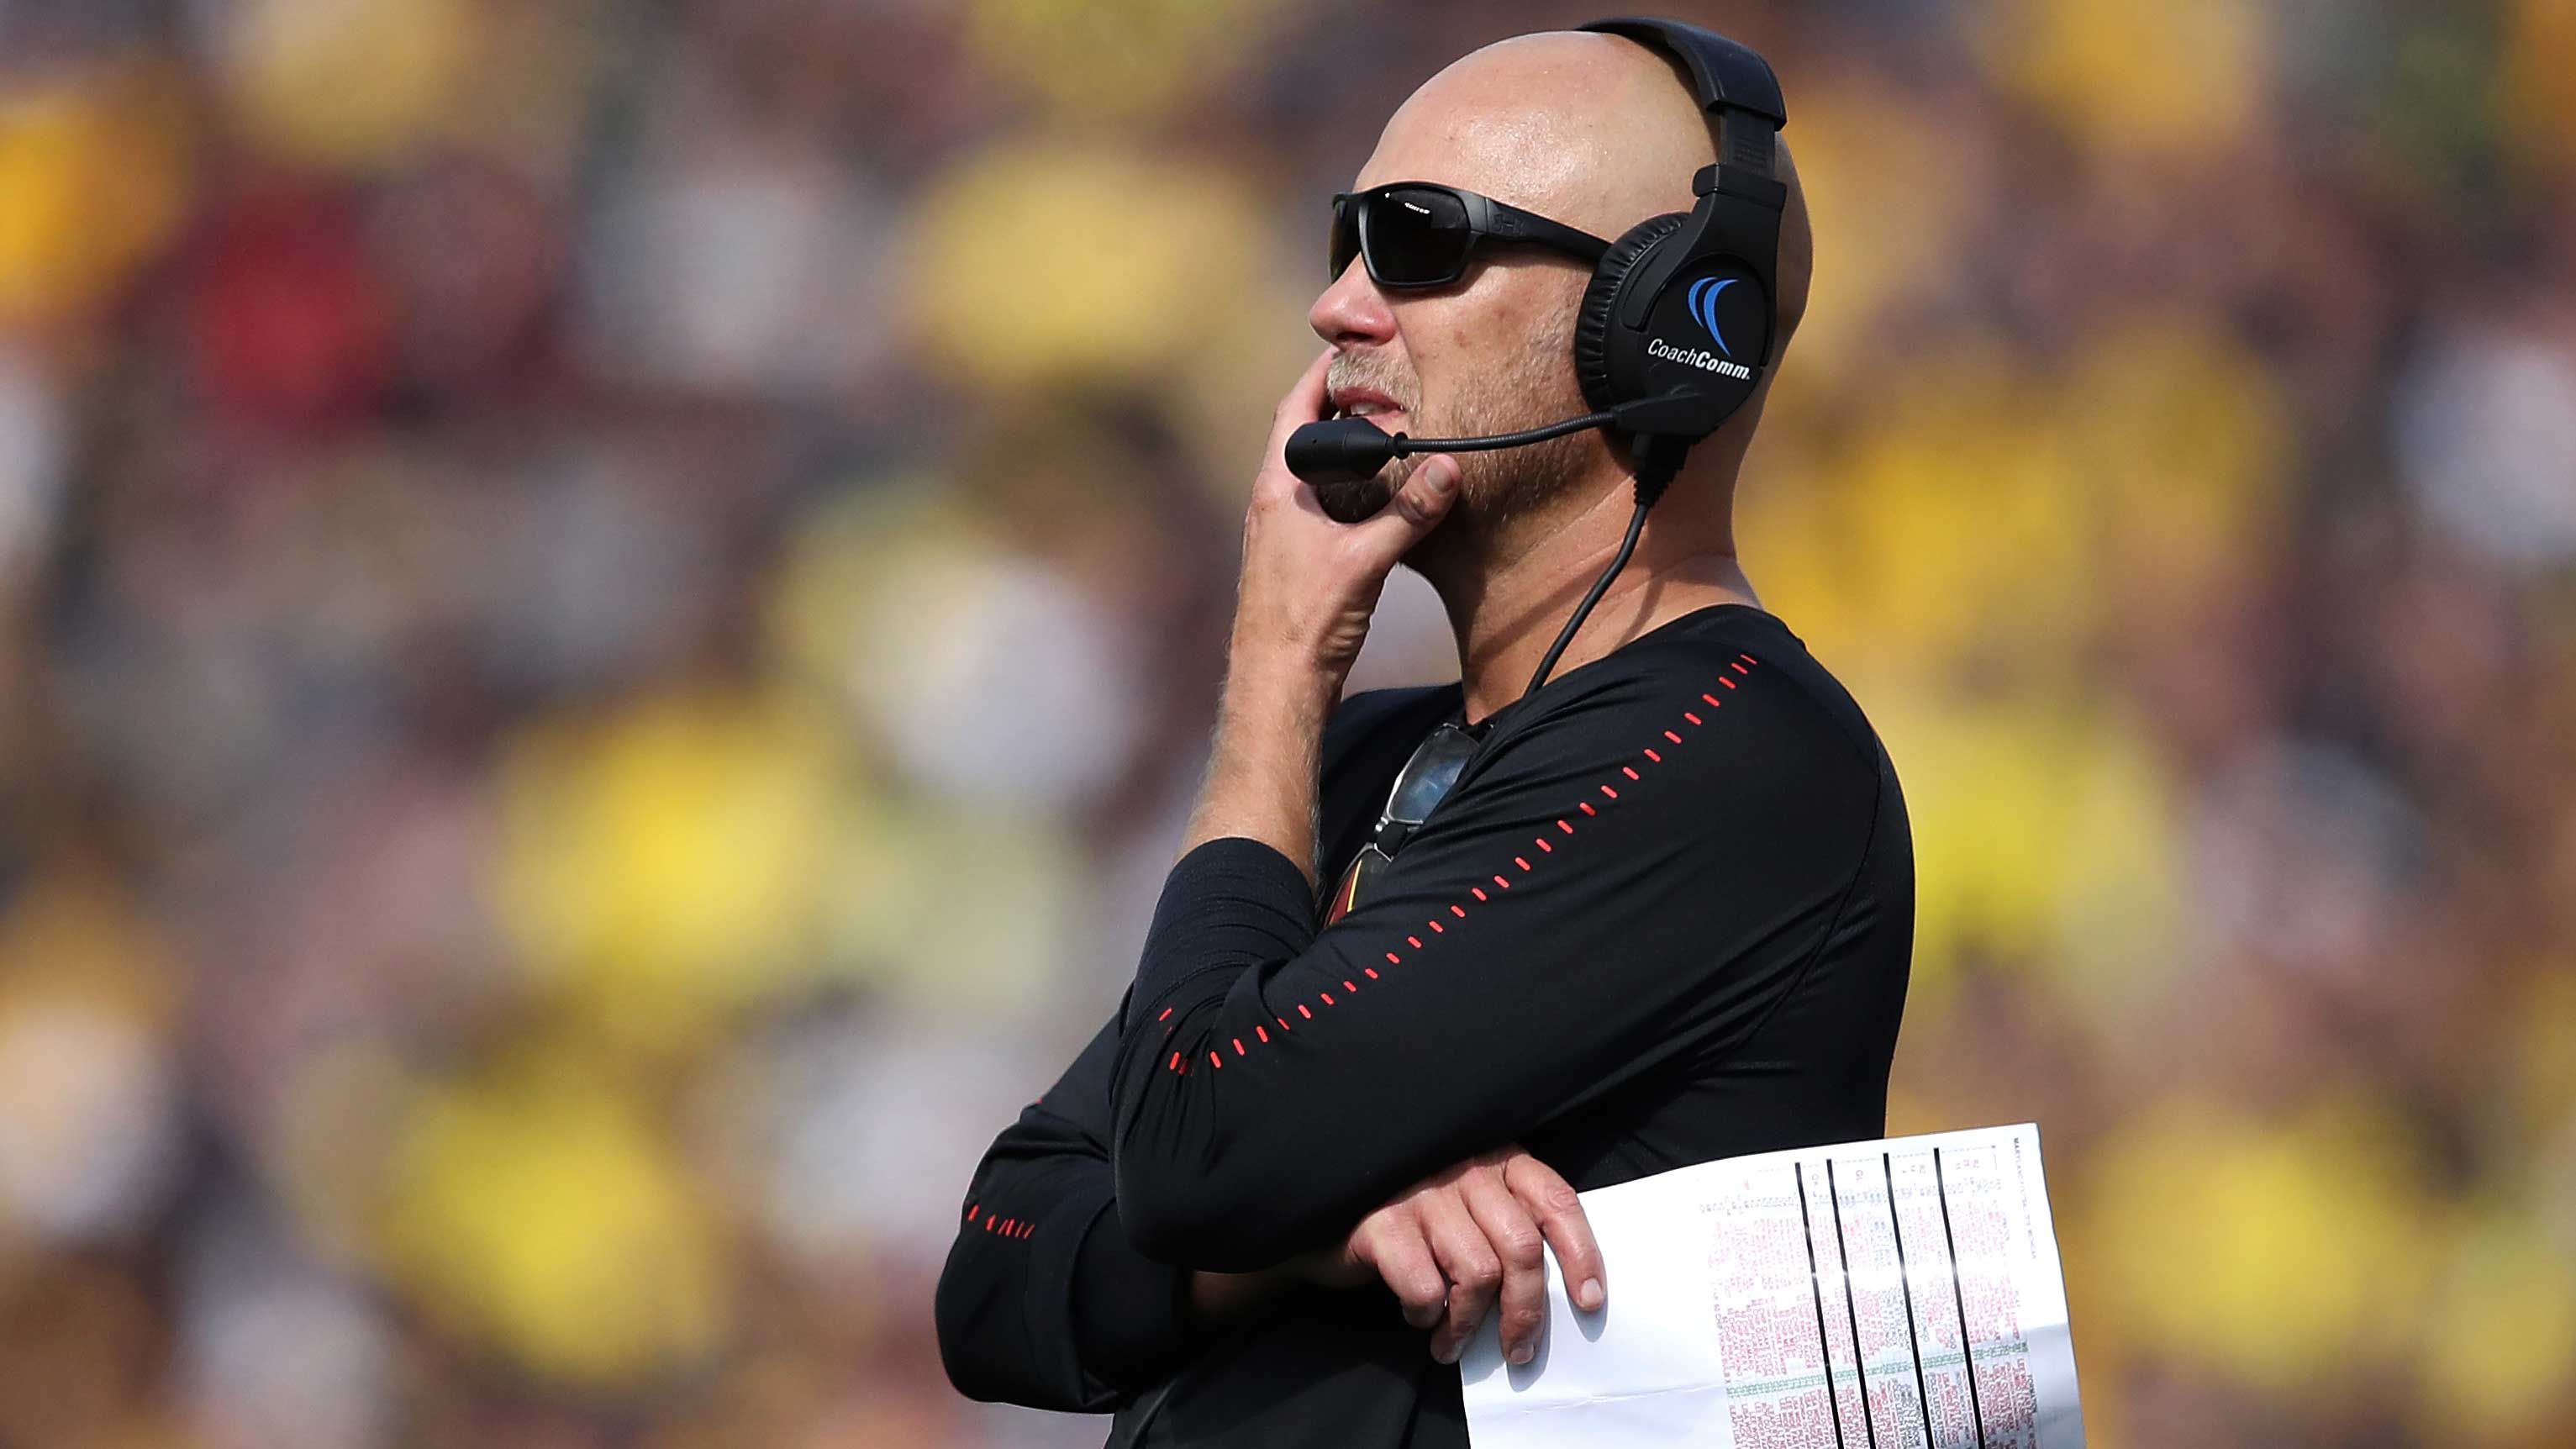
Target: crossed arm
[(1046, 1300)]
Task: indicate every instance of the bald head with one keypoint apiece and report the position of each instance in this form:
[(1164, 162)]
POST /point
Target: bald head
[(1596, 131)]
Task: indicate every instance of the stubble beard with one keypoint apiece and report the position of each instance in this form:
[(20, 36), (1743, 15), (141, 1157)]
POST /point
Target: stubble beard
[(1529, 387)]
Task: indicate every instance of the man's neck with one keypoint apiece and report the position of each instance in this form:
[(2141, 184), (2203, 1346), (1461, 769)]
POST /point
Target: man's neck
[(1508, 600)]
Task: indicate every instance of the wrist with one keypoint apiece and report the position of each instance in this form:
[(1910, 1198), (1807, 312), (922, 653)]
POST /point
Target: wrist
[(1268, 745), (1273, 684)]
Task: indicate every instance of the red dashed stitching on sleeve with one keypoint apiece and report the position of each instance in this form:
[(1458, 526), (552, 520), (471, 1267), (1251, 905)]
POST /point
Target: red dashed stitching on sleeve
[(1262, 1034)]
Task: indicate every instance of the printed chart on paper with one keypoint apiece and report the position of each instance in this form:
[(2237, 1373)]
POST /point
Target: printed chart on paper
[(1899, 1294)]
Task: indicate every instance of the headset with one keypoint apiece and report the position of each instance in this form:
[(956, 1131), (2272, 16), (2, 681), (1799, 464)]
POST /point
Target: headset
[(1676, 327)]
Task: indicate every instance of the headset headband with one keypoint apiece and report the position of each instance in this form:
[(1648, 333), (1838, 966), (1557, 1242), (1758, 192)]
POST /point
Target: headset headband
[(1732, 82)]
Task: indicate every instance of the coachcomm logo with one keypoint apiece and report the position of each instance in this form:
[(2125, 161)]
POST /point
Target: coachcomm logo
[(1703, 310)]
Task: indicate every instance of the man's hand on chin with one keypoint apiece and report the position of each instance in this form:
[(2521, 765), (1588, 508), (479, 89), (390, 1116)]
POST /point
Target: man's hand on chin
[(1309, 584), (1301, 612)]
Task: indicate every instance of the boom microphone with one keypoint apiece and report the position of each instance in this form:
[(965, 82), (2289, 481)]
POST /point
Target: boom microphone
[(1346, 450)]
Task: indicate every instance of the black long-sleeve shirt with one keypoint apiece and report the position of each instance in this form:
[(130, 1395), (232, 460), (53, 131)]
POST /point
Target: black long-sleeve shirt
[(1664, 916)]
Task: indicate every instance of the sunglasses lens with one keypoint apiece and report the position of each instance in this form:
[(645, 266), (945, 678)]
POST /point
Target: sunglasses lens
[(1346, 234), (1427, 778), (1415, 236)]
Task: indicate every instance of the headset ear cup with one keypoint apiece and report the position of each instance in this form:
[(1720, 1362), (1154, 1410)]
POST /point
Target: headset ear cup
[(1601, 303)]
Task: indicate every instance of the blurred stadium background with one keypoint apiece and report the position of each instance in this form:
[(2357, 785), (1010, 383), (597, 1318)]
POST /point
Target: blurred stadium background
[(608, 610)]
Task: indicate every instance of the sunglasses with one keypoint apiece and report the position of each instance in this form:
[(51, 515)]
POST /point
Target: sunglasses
[(1420, 786), (1416, 234)]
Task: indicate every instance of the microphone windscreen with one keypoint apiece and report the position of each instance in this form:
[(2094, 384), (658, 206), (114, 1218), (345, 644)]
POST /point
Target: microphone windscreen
[(1338, 450)]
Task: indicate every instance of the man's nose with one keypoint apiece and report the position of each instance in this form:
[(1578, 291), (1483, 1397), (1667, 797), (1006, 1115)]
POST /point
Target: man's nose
[(1352, 311)]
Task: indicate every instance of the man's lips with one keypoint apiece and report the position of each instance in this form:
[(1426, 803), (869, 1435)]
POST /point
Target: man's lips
[(1369, 403)]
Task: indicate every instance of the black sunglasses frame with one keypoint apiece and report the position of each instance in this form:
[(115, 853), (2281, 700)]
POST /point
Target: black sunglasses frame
[(1488, 220)]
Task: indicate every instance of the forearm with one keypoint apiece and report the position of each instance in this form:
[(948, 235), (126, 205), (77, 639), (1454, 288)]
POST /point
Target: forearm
[(1043, 1300), (1262, 768)]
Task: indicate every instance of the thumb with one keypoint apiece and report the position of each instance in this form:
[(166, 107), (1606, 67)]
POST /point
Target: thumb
[(1426, 497)]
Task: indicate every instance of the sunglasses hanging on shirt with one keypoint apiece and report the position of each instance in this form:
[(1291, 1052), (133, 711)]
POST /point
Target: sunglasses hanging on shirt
[(1426, 779)]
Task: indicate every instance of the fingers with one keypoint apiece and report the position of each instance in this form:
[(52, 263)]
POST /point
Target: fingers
[(1514, 1236), (1550, 1200), (1308, 400), (1305, 402), (1387, 533), (1474, 1270), (1473, 1240), (1428, 492), (1391, 1241)]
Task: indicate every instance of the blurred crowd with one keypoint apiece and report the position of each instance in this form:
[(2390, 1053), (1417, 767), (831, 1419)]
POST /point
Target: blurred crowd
[(608, 612)]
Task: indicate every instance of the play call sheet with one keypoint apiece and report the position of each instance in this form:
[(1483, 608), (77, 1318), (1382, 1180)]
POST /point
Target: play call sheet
[(1876, 1295)]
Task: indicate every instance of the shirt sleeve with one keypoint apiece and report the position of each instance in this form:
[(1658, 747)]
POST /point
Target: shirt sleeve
[(1044, 1300), (1620, 886)]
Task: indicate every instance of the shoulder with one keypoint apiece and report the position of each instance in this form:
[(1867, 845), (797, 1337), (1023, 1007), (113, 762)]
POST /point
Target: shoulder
[(1724, 704), (1750, 662)]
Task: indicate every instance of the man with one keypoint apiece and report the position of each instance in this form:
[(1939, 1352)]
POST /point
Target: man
[(1662, 915)]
